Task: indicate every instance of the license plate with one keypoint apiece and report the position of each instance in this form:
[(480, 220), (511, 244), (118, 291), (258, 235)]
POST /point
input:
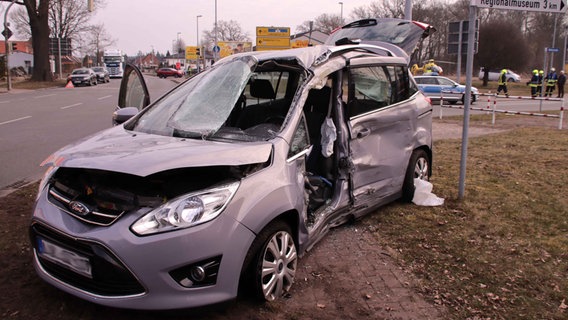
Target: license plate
[(65, 258)]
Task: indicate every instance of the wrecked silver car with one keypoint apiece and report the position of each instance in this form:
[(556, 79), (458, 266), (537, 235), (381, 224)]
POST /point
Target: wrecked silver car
[(223, 183)]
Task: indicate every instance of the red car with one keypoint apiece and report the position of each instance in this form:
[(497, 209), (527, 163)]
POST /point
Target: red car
[(169, 72)]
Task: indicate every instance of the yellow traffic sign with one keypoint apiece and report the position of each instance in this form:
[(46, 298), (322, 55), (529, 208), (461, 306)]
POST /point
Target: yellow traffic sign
[(272, 32), (272, 42), (192, 52)]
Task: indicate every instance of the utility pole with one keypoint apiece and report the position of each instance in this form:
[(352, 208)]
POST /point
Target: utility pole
[(408, 10)]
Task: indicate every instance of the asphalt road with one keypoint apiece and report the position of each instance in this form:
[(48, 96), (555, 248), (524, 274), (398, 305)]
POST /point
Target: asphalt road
[(35, 123)]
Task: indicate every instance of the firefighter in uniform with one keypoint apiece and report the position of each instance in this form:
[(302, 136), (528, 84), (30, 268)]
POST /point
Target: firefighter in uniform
[(551, 79), (502, 82), (539, 86)]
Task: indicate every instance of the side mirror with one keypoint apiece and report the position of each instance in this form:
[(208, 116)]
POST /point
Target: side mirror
[(133, 90), (123, 114)]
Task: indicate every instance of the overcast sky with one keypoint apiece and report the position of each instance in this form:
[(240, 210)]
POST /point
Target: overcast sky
[(146, 24)]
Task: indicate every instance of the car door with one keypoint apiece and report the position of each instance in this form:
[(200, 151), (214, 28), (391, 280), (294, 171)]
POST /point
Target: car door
[(381, 130), (429, 86), (449, 89)]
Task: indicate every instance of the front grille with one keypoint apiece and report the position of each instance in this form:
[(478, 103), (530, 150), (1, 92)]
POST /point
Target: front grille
[(62, 197), (109, 276)]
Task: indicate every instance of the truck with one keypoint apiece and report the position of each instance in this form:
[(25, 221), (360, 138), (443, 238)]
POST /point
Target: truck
[(113, 60)]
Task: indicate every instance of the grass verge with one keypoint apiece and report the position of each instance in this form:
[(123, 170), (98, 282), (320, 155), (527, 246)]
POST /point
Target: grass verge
[(20, 83), (502, 251)]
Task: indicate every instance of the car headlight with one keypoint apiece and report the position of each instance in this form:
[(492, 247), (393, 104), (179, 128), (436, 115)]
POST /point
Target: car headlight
[(186, 211)]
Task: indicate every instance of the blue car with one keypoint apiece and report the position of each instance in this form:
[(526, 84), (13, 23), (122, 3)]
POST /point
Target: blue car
[(437, 87)]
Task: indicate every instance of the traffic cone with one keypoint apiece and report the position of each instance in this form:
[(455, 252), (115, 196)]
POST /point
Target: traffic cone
[(69, 84)]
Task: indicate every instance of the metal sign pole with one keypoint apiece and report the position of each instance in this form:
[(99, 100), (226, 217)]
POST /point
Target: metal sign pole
[(460, 39), (467, 100)]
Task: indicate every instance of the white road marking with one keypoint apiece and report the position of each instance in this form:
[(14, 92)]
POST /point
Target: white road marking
[(10, 121), (71, 106), (101, 98), (45, 95)]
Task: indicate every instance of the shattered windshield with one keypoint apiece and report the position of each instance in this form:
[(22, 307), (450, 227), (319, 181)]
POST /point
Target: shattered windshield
[(199, 107)]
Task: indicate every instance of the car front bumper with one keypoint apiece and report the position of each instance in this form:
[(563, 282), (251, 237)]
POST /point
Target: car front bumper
[(112, 266), (77, 81)]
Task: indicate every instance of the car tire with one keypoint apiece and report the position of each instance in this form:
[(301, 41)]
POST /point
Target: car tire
[(270, 264), (470, 101), (418, 167)]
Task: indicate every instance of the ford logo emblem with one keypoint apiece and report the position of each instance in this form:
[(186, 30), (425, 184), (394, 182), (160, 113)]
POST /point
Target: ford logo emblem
[(79, 208)]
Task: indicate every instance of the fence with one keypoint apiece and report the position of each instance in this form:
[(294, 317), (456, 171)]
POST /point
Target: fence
[(494, 109)]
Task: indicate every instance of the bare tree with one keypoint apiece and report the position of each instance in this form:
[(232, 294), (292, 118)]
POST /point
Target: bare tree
[(179, 46), (38, 14), (226, 31), (97, 39), (384, 9), (57, 18), (325, 23), (496, 51)]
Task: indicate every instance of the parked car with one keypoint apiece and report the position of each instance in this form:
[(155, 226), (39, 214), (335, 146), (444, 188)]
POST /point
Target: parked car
[(436, 87), (169, 72), (225, 181), (82, 76), (494, 74), (102, 74)]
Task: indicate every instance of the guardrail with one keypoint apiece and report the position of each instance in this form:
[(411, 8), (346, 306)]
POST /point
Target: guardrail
[(494, 109)]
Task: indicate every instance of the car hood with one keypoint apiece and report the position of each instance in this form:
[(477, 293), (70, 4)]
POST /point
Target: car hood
[(140, 154), (405, 34)]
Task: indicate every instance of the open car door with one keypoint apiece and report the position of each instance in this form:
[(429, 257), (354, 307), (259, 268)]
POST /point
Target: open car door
[(133, 95)]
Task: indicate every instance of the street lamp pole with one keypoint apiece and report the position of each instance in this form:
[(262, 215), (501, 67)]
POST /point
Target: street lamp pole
[(178, 47), (197, 37), (341, 16)]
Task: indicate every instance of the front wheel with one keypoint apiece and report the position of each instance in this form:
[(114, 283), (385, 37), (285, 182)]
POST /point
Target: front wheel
[(418, 168), (271, 261)]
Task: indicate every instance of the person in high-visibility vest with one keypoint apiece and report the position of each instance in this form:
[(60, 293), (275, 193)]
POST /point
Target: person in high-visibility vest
[(502, 82), (533, 83), (539, 86), (428, 67), (551, 79)]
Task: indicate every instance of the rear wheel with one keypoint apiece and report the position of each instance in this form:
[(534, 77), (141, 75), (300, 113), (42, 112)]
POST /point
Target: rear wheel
[(270, 265), (418, 167), (470, 101)]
